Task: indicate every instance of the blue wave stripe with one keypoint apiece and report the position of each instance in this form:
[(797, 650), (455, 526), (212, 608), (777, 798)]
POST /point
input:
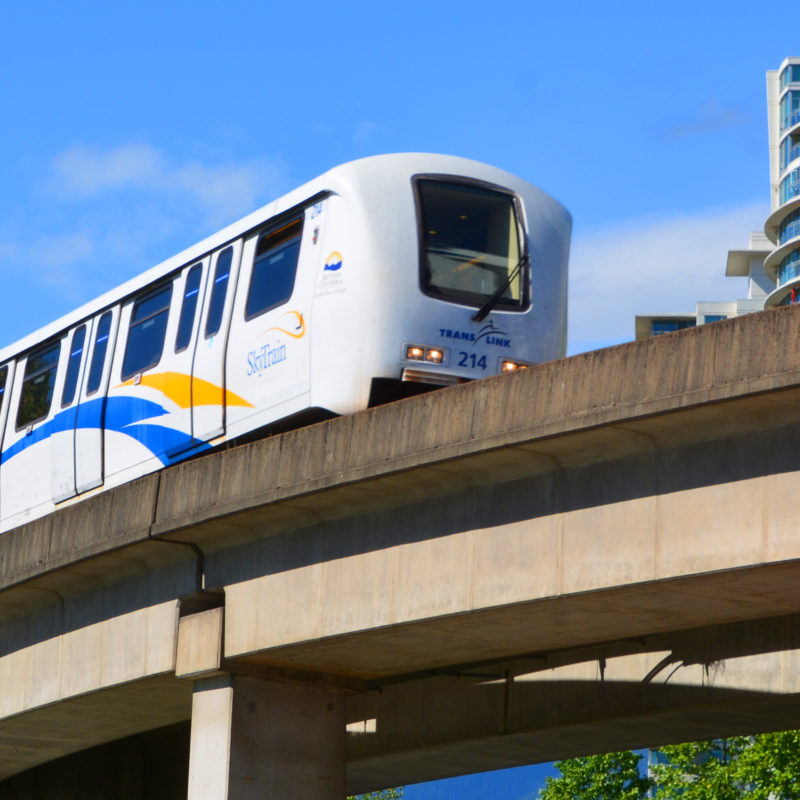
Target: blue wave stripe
[(120, 414)]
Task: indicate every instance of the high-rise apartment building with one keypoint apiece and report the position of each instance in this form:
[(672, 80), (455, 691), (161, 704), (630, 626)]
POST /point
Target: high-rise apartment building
[(782, 227), (771, 263)]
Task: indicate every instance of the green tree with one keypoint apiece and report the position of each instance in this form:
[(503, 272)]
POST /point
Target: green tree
[(705, 770), (613, 776), (763, 767), (770, 767), (384, 794)]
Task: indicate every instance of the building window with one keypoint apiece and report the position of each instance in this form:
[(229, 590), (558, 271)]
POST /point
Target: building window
[(790, 75), (714, 317), (789, 268), (790, 109), (789, 228), (790, 149), (670, 325), (791, 298), (790, 186)]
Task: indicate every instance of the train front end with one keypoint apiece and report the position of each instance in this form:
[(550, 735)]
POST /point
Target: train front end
[(491, 257), (455, 271)]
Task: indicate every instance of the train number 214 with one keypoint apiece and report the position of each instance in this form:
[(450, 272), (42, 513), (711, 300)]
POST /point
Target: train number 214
[(471, 360)]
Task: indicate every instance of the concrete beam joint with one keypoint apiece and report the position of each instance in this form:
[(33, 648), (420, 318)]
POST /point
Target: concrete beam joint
[(199, 651)]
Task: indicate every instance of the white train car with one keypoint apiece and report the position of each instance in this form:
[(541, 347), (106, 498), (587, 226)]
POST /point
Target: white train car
[(382, 275)]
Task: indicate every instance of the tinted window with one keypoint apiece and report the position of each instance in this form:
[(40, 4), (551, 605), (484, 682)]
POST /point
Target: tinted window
[(186, 322), (218, 292), (147, 332), (274, 268), (73, 366), (3, 376), (38, 383), (470, 246), (99, 353)]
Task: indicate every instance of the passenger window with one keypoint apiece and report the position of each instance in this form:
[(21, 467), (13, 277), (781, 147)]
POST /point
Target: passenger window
[(147, 332), (274, 268), (218, 292), (99, 353), (38, 384), (186, 322), (73, 366), (3, 376)]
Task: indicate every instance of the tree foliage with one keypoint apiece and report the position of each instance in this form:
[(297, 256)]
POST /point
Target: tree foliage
[(700, 770), (613, 776), (384, 794), (763, 767)]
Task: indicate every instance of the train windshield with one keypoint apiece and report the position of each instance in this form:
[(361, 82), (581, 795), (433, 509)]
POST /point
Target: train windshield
[(470, 245)]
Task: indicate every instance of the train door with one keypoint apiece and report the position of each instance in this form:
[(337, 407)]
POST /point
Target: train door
[(91, 412), (62, 437), (267, 363), (209, 396), (150, 393)]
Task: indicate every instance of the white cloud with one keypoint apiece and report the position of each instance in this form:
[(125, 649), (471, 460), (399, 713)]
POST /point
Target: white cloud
[(366, 130), (227, 190), (61, 251), (710, 117), (653, 266), (88, 171), (221, 192)]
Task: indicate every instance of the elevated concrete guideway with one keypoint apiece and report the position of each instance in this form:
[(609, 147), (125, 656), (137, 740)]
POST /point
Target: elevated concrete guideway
[(502, 572)]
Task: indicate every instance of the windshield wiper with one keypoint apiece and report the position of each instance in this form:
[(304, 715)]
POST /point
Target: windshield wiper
[(492, 301)]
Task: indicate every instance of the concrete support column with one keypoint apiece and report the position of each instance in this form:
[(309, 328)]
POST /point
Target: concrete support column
[(257, 739)]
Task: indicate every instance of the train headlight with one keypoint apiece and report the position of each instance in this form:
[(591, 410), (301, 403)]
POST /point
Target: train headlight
[(434, 355), (421, 352), (507, 365)]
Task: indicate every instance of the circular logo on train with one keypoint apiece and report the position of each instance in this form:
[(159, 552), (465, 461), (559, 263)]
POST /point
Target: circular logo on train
[(333, 263)]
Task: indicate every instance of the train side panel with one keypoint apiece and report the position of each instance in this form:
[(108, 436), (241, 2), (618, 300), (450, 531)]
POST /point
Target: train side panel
[(267, 371)]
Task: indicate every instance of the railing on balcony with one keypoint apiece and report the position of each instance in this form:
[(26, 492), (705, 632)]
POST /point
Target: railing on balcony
[(791, 120), (790, 156), (789, 190), (789, 231)]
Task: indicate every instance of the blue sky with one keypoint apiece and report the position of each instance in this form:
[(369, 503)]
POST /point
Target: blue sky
[(131, 131)]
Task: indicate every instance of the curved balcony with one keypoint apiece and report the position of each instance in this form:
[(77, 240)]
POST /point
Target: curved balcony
[(774, 220), (772, 263), (789, 228), (778, 296)]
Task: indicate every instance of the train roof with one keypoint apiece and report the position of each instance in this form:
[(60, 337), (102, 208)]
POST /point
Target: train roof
[(366, 173)]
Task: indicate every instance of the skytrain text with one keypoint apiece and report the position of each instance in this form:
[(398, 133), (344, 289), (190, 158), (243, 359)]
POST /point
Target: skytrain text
[(264, 358)]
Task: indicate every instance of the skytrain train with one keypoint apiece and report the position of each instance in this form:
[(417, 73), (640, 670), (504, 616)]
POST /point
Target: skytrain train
[(379, 278)]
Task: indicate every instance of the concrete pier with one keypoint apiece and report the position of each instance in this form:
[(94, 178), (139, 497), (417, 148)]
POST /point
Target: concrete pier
[(253, 739)]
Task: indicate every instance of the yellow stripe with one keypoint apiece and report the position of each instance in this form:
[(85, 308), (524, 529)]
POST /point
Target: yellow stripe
[(179, 388)]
